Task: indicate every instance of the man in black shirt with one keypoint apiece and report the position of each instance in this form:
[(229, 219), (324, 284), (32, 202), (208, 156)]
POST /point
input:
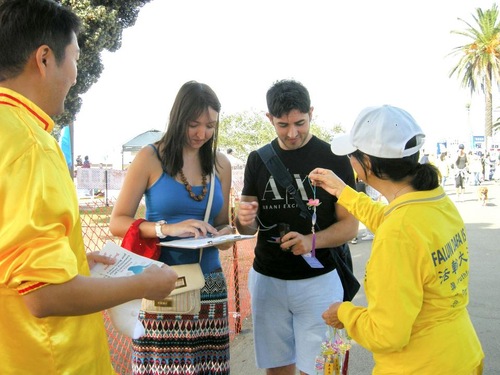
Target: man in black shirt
[(288, 292)]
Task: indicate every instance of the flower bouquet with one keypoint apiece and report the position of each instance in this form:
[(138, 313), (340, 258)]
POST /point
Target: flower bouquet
[(334, 353)]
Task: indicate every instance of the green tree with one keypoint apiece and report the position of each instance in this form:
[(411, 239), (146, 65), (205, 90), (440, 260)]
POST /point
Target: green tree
[(247, 131), (244, 132), (479, 65), (103, 23)]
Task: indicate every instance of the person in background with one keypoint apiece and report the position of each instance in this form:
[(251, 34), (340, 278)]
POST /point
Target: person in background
[(425, 158), (51, 309), (461, 164), (489, 164), (476, 168), (174, 175), (86, 162), (287, 294), (417, 291), (443, 166), (496, 175)]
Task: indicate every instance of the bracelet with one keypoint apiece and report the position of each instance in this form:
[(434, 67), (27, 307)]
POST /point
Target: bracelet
[(158, 230)]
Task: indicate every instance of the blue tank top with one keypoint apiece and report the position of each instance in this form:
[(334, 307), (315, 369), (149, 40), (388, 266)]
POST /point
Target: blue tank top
[(167, 199)]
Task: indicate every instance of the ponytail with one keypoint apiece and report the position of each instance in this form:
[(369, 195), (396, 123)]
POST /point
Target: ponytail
[(425, 177)]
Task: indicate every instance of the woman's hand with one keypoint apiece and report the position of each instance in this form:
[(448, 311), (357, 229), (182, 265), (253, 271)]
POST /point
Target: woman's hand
[(331, 316), (223, 231), (190, 228), (327, 180), (95, 257)]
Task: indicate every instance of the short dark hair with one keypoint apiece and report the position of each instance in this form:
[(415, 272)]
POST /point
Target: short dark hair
[(191, 101), (26, 25), (287, 95)]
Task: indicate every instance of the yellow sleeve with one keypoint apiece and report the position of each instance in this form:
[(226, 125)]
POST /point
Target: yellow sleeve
[(369, 212), (39, 218)]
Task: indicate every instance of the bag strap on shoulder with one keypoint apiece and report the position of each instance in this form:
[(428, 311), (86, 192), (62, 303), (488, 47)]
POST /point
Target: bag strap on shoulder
[(281, 175), (284, 179)]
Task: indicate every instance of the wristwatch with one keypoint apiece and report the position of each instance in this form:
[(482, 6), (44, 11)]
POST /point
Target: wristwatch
[(158, 225)]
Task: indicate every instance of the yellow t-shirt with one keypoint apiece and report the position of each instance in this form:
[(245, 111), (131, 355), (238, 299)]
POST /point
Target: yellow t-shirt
[(416, 284), (40, 243)]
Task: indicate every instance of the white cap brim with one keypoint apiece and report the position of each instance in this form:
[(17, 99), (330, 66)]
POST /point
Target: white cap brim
[(341, 145)]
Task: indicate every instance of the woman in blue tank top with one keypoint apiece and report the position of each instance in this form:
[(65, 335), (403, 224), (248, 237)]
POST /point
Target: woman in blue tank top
[(174, 175)]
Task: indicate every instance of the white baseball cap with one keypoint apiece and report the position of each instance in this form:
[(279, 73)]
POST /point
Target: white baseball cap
[(381, 131)]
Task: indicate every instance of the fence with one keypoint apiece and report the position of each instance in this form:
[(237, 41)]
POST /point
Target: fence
[(95, 212)]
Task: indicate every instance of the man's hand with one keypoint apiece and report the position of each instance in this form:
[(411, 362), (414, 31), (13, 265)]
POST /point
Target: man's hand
[(247, 212), (158, 282), (297, 243), (95, 257), (246, 220)]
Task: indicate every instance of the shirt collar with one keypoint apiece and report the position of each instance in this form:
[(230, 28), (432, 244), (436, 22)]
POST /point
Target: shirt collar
[(11, 98)]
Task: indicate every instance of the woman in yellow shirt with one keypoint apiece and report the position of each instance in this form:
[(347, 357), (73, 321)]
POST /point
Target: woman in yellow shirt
[(417, 277)]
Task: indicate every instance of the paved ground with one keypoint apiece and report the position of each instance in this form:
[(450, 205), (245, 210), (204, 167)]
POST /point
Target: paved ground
[(483, 228)]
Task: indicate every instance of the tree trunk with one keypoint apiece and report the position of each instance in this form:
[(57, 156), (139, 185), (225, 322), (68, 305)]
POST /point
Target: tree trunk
[(488, 108)]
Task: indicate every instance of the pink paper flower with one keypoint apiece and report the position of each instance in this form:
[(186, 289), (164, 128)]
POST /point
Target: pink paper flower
[(313, 202)]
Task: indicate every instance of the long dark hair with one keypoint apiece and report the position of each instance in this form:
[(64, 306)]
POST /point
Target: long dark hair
[(422, 176), (191, 101)]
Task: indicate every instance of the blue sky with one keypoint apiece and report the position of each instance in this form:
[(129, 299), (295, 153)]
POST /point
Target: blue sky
[(350, 54)]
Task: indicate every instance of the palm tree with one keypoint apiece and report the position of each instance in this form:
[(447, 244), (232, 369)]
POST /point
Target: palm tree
[(479, 64), (496, 125)]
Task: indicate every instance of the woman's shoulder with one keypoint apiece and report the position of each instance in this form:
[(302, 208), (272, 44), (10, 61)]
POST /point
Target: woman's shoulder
[(147, 160), (146, 153)]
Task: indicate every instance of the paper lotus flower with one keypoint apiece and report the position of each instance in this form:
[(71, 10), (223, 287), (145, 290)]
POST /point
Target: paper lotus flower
[(313, 202)]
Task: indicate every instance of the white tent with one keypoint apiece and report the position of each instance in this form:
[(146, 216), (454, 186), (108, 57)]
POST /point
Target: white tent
[(135, 144)]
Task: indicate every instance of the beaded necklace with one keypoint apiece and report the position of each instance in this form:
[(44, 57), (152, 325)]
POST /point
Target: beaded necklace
[(190, 189)]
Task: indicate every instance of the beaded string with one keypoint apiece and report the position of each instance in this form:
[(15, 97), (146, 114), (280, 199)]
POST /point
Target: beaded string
[(190, 189), (313, 222)]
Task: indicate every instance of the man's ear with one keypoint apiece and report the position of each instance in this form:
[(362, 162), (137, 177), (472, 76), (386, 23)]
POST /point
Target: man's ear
[(311, 110), (270, 117), (42, 57)]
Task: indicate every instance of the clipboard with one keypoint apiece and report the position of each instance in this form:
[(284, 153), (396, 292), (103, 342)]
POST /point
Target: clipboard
[(202, 242)]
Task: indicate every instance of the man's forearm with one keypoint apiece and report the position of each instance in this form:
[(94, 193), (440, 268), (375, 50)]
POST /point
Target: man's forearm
[(337, 234)]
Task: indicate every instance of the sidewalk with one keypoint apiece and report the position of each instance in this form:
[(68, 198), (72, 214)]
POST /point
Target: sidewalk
[(483, 230)]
